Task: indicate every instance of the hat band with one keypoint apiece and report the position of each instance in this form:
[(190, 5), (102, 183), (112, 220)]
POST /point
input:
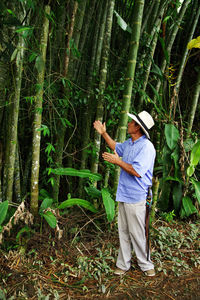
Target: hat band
[(142, 123)]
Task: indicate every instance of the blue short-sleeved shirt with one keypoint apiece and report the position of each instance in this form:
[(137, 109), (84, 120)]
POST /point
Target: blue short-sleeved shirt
[(141, 155)]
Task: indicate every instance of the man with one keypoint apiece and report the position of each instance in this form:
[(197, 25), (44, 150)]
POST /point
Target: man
[(138, 156)]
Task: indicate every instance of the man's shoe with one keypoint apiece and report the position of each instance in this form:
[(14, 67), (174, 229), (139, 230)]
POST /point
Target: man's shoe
[(150, 272), (119, 272)]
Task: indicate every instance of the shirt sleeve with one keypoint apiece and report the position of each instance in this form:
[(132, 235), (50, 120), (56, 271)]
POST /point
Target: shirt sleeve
[(144, 161), (119, 147)]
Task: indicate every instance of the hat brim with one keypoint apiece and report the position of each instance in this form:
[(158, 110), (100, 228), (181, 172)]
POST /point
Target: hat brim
[(134, 117)]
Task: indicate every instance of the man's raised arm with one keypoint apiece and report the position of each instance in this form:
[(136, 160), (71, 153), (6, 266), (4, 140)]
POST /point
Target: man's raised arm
[(101, 129)]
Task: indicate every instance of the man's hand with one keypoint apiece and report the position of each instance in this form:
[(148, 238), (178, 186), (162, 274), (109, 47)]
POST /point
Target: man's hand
[(115, 159), (112, 158), (100, 128)]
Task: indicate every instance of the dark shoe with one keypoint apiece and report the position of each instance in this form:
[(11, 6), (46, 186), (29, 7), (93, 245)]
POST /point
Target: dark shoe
[(150, 272), (119, 272)]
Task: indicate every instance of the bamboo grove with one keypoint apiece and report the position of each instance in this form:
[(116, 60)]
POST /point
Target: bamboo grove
[(64, 64)]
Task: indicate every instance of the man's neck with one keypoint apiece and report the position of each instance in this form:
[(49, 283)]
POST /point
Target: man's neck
[(136, 136)]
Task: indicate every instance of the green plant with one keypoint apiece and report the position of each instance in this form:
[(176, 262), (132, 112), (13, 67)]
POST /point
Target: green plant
[(96, 267), (168, 216), (188, 207), (172, 183), (174, 246), (104, 193)]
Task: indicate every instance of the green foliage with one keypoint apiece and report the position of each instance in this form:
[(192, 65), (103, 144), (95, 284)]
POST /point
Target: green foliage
[(96, 267), (188, 208), (109, 204), (172, 186), (122, 23), (196, 185), (44, 212), (74, 172), (172, 135), (169, 243), (3, 211), (50, 218), (2, 295), (75, 201), (194, 159), (168, 216), (23, 230), (47, 202)]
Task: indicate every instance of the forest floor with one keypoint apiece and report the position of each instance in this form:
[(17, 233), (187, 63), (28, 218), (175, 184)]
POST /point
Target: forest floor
[(80, 265)]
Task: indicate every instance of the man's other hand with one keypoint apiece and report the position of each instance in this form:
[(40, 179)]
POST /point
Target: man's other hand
[(100, 128), (112, 158)]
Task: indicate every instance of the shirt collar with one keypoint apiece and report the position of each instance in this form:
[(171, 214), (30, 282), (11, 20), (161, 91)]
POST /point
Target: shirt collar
[(138, 140)]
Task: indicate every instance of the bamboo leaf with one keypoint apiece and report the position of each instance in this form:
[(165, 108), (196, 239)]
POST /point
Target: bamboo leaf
[(190, 170), (80, 173), (50, 218), (156, 70), (3, 211), (14, 54), (47, 202), (92, 191), (109, 204), (122, 23), (188, 206), (76, 201), (21, 29), (172, 135), (39, 63), (162, 41), (195, 154), (172, 178), (195, 43), (196, 185), (155, 92)]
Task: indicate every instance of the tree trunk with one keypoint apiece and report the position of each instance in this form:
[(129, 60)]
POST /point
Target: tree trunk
[(13, 124), (84, 34), (60, 135), (129, 77), (90, 96), (194, 104), (195, 18), (17, 179), (151, 44), (170, 40), (38, 117), (102, 84)]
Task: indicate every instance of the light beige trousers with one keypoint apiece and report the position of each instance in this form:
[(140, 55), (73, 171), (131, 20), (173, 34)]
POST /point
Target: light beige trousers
[(131, 227)]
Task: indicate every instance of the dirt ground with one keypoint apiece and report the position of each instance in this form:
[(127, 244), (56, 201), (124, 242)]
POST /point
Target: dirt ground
[(79, 266)]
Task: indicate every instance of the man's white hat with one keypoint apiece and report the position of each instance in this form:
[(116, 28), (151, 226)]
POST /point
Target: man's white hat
[(145, 120)]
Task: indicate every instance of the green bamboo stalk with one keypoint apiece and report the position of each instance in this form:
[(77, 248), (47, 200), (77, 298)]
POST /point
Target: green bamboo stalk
[(147, 14), (17, 179), (102, 83), (60, 135), (13, 125), (194, 104), (70, 34), (195, 18), (170, 41), (87, 113), (84, 34), (151, 44), (130, 73), (79, 22), (77, 34), (1, 160), (38, 117), (100, 39)]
